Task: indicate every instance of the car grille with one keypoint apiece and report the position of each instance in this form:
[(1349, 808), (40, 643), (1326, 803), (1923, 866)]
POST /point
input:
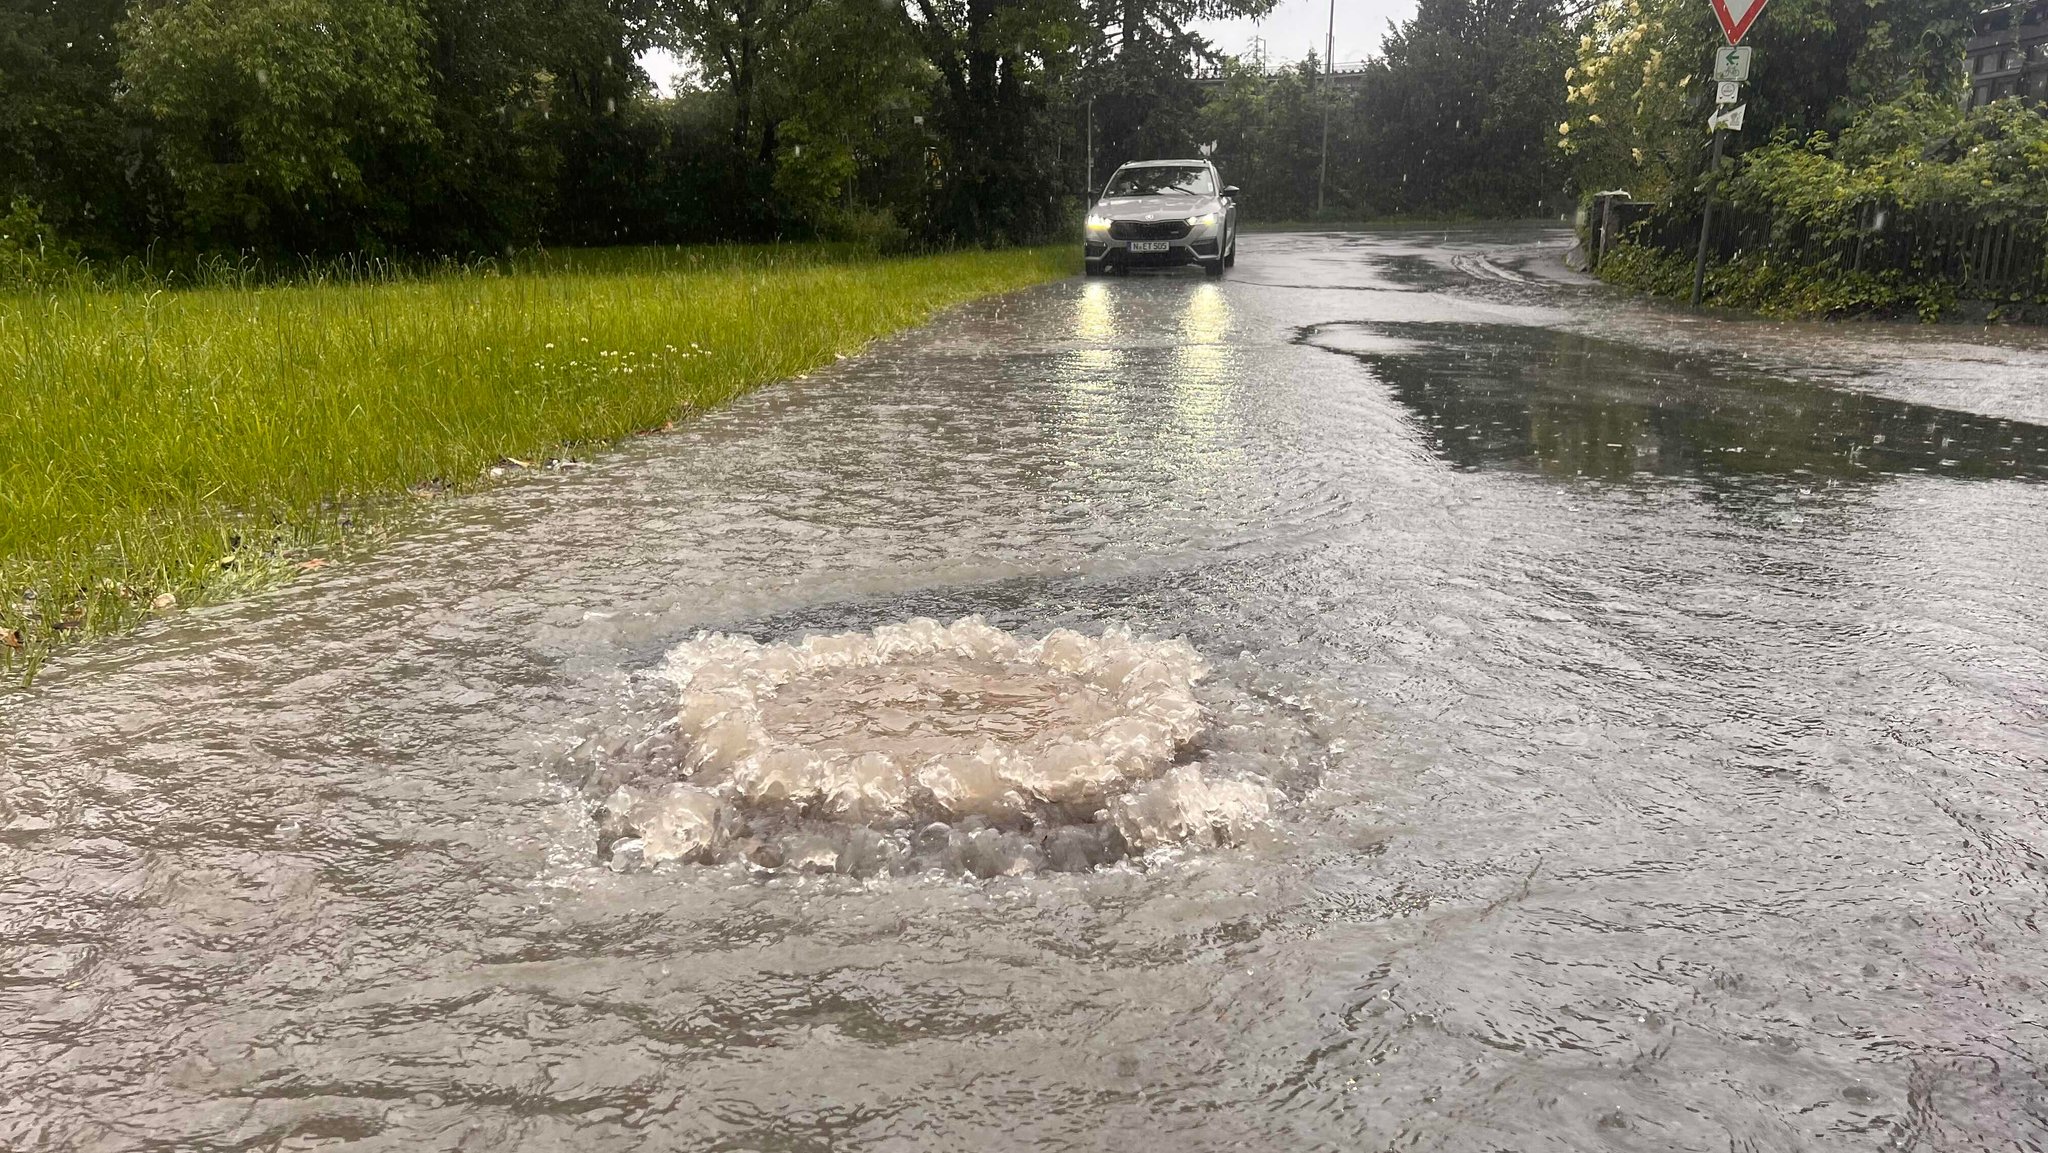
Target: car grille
[(1148, 229)]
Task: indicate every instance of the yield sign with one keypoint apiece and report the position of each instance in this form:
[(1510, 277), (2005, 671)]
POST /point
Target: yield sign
[(1736, 16)]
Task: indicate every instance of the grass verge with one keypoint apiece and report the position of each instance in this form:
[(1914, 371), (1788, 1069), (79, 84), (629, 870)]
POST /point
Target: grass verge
[(160, 448)]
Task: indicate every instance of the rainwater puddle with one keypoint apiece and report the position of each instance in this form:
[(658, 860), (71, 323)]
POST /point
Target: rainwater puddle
[(1567, 404)]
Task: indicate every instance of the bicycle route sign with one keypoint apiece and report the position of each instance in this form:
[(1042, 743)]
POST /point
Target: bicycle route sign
[(1736, 16), (1731, 65)]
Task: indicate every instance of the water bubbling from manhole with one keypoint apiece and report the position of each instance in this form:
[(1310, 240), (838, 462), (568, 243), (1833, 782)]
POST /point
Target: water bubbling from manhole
[(921, 743)]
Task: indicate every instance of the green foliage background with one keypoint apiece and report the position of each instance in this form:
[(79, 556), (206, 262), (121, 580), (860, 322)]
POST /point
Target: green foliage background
[(1454, 118), (1640, 89)]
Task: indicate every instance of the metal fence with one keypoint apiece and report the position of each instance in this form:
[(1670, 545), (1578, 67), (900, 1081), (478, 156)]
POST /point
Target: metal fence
[(1983, 259)]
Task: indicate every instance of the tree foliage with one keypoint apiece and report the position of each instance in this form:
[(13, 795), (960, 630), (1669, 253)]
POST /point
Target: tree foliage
[(1640, 90), (1920, 153), (318, 126), (62, 140), (1134, 58), (1454, 118), (273, 117)]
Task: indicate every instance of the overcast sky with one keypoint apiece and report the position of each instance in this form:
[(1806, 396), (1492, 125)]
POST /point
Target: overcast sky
[(1294, 29), (1297, 26)]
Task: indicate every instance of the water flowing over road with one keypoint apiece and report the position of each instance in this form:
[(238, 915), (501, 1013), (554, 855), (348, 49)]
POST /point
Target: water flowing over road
[(1655, 709)]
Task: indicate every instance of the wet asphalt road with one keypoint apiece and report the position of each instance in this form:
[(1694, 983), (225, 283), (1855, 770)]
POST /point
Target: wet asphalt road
[(1656, 704)]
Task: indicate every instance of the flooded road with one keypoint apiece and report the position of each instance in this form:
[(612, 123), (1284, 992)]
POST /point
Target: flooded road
[(1655, 709)]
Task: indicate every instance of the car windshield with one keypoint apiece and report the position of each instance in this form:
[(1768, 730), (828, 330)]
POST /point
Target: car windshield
[(1187, 180)]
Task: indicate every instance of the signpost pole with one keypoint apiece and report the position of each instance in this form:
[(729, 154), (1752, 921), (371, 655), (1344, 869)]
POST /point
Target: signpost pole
[(1699, 264), (1730, 69)]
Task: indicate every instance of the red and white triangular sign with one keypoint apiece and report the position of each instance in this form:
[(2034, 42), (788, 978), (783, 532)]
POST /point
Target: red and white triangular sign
[(1736, 16)]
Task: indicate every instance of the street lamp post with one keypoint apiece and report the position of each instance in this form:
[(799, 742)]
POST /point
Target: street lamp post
[(1329, 74), (1091, 150)]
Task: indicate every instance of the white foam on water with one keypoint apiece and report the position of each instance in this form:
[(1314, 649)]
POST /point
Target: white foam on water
[(927, 726)]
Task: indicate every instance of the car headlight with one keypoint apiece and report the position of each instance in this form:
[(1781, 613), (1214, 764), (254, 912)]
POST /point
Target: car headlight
[(1206, 220), (1097, 223)]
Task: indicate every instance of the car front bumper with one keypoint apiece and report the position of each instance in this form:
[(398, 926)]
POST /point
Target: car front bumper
[(1200, 246)]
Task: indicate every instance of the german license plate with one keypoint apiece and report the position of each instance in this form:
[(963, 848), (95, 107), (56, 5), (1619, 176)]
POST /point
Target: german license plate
[(1149, 246)]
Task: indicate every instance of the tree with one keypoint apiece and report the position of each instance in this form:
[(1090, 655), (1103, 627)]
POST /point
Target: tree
[(1001, 67), (738, 42), (276, 118), (820, 97), (1639, 94), (1135, 58), (857, 87), (64, 143), (1457, 114), (1454, 118), (1268, 134)]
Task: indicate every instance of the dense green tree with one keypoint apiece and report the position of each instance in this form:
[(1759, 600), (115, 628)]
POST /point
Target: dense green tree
[(1457, 114), (1136, 64), (276, 119), (1001, 68), (849, 137), (64, 142), (821, 99), (1455, 117), (1640, 91), (745, 45), (538, 114), (1268, 134)]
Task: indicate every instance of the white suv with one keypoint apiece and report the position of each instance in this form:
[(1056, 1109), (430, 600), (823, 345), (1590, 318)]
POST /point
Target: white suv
[(1160, 213)]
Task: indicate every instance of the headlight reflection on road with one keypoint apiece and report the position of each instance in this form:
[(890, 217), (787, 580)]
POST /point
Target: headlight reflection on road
[(1203, 367), (1129, 342), (1095, 317), (1091, 367), (1204, 331)]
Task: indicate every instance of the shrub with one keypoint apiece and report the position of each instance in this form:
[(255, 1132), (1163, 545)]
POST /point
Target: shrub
[(1901, 215), (31, 252)]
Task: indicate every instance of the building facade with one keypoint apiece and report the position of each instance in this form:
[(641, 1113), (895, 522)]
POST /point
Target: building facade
[(2009, 53)]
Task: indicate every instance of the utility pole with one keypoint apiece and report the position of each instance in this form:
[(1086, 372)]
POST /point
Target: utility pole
[(1329, 76), (1091, 149)]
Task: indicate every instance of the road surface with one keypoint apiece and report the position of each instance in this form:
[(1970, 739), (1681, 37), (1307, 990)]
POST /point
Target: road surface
[(1655, 705)]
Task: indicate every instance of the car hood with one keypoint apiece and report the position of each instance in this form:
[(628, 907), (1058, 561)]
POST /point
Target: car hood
[(1170, 207)]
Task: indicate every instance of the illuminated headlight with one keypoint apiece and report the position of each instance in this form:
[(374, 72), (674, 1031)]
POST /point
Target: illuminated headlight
[(1206, 220), (1098, 223)]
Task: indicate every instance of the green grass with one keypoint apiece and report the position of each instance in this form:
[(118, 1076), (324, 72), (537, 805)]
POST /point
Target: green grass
[(172, 447)]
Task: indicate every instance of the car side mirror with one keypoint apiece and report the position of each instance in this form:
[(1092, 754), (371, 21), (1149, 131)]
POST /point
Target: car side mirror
[(1230, 192)]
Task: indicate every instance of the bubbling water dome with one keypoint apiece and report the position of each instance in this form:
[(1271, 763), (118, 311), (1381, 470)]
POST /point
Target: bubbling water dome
[(864, 752)]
